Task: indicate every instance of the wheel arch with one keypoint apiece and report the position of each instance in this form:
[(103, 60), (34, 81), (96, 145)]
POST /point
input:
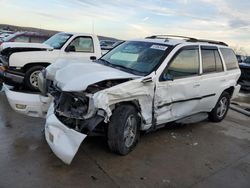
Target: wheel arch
[(29, 65), (135, 104), (230, 91)]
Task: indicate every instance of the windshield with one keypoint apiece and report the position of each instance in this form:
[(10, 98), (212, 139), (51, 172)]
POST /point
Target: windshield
[(139, 58), (58, 40)]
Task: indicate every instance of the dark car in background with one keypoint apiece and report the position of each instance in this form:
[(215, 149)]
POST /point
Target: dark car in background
[(29, 37), (107, 44), (241, 58), (244, 80)]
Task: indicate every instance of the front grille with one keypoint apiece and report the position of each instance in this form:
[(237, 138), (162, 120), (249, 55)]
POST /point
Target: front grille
[(70, 105)]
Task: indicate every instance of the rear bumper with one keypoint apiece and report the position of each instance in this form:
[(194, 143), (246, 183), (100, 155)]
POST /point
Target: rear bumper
[(28, 104), (63, 141)]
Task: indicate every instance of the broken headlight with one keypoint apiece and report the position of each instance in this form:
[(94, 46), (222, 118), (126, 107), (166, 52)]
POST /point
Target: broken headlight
[(72, 105)]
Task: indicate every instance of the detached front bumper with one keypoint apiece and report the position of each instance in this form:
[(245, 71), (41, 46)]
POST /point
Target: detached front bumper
[(29, 104), (63, 141)]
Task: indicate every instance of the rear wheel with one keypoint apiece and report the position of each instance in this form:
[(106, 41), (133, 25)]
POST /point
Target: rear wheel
[(220, 110), (123, 129), (31, 78)]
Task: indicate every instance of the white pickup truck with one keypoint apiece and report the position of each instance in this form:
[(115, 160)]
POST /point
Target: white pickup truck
[(20, 63)]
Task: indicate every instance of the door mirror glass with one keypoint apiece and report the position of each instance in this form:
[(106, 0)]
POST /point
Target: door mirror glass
[(166, 76), (70, 48)]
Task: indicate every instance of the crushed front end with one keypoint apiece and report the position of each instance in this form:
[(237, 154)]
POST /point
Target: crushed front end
[(69, 120)]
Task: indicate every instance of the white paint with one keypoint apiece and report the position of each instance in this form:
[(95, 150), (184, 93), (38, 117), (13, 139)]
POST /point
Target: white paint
[(77, 76), (20, 59), (63, 141), (24, 45), (36, 105)]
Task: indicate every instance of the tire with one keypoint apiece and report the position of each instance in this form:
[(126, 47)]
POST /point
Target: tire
[(219, 112), (119, 126), (30, 82)]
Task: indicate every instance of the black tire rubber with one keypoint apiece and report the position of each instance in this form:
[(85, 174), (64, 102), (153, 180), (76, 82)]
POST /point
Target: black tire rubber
[(116, 129), (213, 114), (28, 73)]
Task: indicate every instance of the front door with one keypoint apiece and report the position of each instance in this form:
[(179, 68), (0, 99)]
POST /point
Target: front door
[(177, 91), (82, 48)]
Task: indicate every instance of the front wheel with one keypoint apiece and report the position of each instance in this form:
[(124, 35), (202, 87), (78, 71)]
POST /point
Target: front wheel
[(221, 108), (123, 129), (31, 78)]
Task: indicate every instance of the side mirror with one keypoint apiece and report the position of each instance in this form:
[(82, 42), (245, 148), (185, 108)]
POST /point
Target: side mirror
[(70, 48), (92, 58), (167, 77), (147, 79)]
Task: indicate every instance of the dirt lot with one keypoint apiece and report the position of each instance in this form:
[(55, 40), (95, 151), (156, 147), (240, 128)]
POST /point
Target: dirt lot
[(198, 155)]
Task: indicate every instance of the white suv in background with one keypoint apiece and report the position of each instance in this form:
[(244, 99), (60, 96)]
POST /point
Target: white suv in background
[(139, 86)]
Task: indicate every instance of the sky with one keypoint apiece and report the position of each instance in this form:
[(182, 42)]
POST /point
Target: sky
[(224, 20)]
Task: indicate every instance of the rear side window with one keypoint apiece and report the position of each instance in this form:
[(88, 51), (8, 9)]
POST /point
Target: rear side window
[(37, 39), (211, 61), (22, 39), (229, 58), (185, 64)]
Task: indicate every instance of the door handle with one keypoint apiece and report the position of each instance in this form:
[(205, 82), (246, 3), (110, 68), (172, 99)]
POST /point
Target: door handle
[(197, 85), (223, 80)]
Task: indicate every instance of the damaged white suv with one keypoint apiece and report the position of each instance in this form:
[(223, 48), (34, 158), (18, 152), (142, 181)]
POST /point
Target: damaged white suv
[(139, 86)]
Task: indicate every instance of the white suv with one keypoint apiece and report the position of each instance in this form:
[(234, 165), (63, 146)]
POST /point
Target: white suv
[(139, 86)]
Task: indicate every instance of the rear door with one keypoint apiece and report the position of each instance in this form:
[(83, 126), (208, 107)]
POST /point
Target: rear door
[(177, 91), (213, 77)]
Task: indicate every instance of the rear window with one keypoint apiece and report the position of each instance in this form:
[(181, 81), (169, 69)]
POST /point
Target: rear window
[(211, 61), (229, 58)]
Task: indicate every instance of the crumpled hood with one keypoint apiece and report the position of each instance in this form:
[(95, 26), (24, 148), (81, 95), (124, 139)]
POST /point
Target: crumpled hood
[(78, 76), (61, 63), (6, 45)]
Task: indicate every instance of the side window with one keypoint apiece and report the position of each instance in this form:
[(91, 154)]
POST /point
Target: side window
[(211, 61), (185, 64), (22, 39), (229, 58), (37, 39), (83, 44)]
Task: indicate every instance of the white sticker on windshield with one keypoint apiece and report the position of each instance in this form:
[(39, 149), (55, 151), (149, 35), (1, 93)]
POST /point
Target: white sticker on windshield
[(159, 47)]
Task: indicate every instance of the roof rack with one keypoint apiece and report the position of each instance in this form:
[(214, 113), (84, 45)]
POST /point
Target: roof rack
[(188, 39)]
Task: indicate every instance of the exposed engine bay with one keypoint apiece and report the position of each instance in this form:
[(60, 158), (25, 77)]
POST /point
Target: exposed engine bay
[(76, 109)]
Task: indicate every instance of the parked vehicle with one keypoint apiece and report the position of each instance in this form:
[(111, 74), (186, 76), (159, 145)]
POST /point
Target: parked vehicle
[(27, 37), (244, 80), (5, 33), (22, 62), (107, 44), (139, 86)]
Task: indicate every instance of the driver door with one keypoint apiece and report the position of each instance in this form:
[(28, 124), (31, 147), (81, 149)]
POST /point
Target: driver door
[(177, 91), (81, 47)]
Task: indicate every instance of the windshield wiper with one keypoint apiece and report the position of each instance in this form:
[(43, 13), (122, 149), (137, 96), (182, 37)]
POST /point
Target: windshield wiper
[(131, 70), (123, 68)]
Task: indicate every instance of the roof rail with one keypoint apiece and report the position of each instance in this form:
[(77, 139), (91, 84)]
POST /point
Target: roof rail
[(188, 39), (212, 42), (170, 36)]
